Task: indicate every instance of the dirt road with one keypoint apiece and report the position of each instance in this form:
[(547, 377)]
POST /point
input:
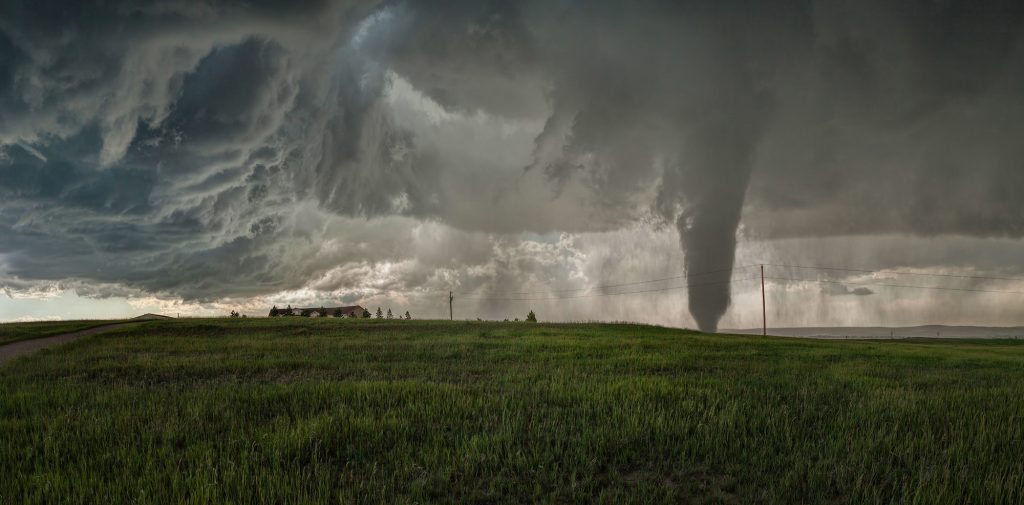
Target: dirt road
[(15, 349)]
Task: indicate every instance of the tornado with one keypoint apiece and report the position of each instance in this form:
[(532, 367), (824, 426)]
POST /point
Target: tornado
[(713, 190)]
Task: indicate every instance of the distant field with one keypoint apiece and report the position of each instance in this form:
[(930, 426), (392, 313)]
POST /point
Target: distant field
[(358, 411), (13, 332)]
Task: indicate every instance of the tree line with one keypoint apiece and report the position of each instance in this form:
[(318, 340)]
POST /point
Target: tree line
[(324, 312), (380, 314)]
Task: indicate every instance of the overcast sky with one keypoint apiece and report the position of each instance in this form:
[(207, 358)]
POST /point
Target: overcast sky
[(198, 157)]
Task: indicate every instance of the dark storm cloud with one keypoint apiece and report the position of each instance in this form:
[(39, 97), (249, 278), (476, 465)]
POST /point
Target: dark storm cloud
[(212, 149), (150, 145), (871, 118), (904, 121)]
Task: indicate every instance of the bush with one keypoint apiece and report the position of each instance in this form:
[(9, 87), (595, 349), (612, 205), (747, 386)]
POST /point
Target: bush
[(531, 317)]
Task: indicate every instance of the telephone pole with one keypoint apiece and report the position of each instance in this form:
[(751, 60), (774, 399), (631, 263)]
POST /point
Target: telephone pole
[(450, 298), (764, 310)]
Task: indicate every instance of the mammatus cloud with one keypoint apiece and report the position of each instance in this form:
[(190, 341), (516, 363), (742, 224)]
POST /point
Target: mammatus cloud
[(236, 151)]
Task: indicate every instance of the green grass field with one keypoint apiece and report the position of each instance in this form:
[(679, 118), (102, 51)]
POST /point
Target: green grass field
[(13, 332), (357, 411)]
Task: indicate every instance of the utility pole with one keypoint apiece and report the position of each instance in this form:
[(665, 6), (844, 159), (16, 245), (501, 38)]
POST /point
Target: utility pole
[(764, 309), (450, 298)]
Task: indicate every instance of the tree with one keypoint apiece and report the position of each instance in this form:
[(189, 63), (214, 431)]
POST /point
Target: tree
[(366, 314), (338, 312), (323, 312), (407, 316), (273, 311), (234, 313), (380, 315), (389, 314), (531, 317), (288, 311)]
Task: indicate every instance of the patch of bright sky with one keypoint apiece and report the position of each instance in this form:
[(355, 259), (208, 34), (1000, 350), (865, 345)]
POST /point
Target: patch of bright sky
[(401, 94), (65, 305), (375, 21)]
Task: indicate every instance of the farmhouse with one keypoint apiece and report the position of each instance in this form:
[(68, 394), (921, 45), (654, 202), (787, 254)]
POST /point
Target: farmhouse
[(347, 311)]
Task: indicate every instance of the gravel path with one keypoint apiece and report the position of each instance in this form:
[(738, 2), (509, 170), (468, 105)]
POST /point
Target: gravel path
[(15, 349)]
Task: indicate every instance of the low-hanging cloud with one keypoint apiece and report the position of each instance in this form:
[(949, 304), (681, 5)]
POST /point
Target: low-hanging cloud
[(205, 151)]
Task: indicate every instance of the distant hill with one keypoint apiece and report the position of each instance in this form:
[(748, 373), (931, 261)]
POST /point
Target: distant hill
[(927, 331), (150, 317)]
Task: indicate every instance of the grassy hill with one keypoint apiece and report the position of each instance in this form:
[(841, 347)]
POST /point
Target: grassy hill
[(358, 411)]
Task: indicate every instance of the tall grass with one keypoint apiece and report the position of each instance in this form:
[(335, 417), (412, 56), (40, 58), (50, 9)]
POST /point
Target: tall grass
[(356, 411)]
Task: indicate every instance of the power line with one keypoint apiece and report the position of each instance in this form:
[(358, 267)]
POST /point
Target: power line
[(896, 272), (894, 285), (525, 295), (685, 286), (634, 283)]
